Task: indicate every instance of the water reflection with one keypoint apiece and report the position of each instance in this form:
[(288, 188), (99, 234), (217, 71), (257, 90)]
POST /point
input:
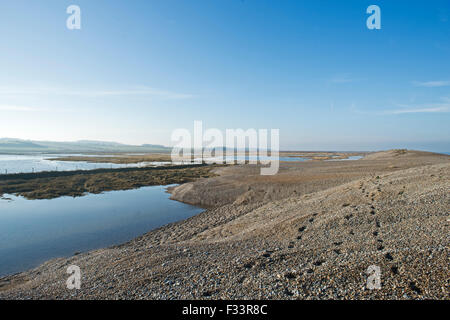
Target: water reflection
[(33, 231)]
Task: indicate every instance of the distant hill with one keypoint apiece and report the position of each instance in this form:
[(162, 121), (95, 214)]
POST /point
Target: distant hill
[(9, 145)]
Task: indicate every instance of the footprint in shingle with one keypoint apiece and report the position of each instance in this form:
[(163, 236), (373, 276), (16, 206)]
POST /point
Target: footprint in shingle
[(414, 287), (394, 269), (389, 256), (287, 292), (290, 275), (318, 263)]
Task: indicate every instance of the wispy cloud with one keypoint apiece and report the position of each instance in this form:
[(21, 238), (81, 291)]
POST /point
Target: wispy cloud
[(23, 108), (16, 108), (419, 110), (399, 109), (432, 84), (141, 91), (423, 108)]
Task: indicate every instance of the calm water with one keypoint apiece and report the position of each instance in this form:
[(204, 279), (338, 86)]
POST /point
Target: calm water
[(39, 162), (254, 158), (33, 231), (349, 158)]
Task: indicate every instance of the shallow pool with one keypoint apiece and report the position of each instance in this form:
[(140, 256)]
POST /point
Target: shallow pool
[(33, 231), (10, 163)]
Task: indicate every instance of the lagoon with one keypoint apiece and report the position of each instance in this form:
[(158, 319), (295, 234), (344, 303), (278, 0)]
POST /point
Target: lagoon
[(39, 162), (34, 231)]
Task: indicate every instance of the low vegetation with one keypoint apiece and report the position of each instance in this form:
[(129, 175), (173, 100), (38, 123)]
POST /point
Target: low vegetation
[(49, 185)]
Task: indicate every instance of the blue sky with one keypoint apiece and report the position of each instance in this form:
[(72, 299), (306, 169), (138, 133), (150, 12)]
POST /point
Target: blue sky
[(137, 70)]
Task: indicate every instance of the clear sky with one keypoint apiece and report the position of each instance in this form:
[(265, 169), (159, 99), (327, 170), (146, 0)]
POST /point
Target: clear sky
[(137, 70)]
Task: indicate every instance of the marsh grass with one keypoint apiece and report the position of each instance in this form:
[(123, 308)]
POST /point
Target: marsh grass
[(54, 184)]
